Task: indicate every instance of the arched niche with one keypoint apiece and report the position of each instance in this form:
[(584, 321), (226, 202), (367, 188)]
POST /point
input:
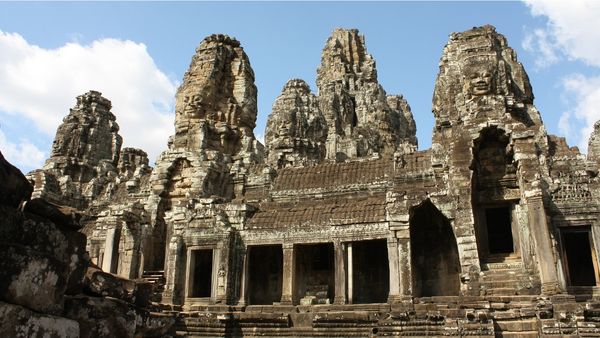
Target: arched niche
[(434, 253)]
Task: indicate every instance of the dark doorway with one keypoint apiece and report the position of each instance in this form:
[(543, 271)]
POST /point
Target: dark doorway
[(370, 272), (434, 253), (202, 263), (499, 232), (578, 254), (265, 274), (314, 274)]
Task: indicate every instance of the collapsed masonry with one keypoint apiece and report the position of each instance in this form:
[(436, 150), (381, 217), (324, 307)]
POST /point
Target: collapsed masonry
[(338, 226)]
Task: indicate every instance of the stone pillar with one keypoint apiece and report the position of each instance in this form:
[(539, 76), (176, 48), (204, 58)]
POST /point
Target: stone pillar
[(216, 294), (350, 270), (289, 267), (173, 261), (394, 272), (543, 246), (242, 301), (109, 250), (340, 273), (402, 232)]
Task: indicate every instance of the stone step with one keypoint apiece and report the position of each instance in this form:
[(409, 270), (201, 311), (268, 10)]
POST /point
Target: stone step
[(154, 272), (502, 283), (501, 292)]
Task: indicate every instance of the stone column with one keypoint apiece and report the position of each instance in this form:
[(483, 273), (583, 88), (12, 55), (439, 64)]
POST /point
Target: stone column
[(402, 233), (215, 293), (340, 273), (543, 247), (394, 294), (173, 262), (109, 250), (350, 270), (289, 267), (242, 301)]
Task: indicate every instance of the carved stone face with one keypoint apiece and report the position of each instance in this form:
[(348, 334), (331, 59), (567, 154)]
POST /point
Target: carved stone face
[(479, 82), (191, 106), (284, 128)]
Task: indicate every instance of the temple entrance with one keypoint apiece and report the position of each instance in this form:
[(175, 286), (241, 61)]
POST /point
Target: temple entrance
[(201, 274), (370, 272), (494, 180), (498, 222), (314, 274), (265, 274), (434, 253), (579, 255)]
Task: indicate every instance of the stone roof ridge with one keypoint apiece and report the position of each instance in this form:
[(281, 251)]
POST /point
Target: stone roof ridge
[(220, 38), (94, 98), (296, 83)]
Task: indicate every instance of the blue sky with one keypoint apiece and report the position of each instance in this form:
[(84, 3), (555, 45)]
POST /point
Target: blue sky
[(137, 52)]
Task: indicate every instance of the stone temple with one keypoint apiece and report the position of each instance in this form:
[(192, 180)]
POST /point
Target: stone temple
[(338, 226)]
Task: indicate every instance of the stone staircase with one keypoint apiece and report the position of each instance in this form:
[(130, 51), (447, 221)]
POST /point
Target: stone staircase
[(157, 278), (500, 279)]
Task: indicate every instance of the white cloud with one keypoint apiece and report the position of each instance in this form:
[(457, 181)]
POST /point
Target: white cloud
[(572, 26), (41, 85), (538, 41), (585, 93), (572, 33), (24, 154)]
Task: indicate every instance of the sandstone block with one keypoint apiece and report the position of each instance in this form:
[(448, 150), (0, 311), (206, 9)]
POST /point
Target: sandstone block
[(14, 186), (101, 317), (98, 282), (18, 321), (32, 279)]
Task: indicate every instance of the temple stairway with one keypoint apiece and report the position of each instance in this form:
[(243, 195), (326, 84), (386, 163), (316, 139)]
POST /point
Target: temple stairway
[(157, 278), (502, 279)]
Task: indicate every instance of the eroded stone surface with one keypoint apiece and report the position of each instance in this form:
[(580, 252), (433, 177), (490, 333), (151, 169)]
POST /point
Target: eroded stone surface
[(215, 105), (296, 129), (360, 121), (18, 321)]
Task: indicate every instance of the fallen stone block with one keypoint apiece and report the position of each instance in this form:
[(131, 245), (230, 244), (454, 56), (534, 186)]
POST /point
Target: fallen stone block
[(18, 321), (43, 236), (101, 317), (100, 283), (14, 186), (62, 216), (32, 279)]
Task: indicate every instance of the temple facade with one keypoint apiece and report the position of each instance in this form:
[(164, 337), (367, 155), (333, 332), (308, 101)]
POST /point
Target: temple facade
[(338, 225)]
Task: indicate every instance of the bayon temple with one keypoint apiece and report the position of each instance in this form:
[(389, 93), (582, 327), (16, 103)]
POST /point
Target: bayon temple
[(338, 225)]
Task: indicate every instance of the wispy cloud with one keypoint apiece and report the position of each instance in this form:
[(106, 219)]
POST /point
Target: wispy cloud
[(538, 42), (40, 85), (21, 153), (571, 34)]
